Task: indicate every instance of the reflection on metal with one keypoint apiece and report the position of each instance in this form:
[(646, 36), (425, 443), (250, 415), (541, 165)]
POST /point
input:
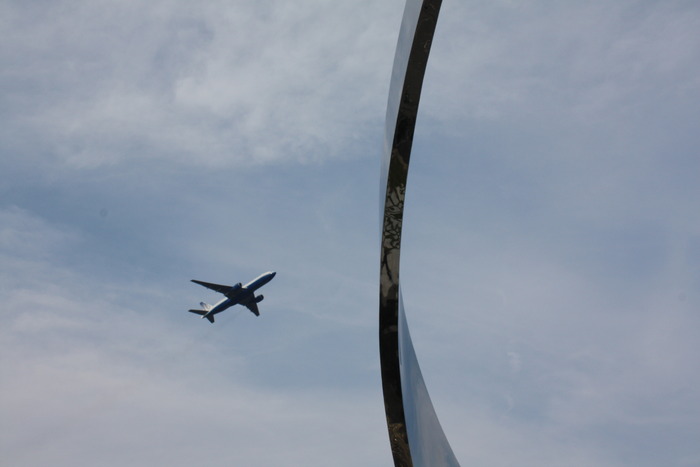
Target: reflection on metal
[(414, 430)]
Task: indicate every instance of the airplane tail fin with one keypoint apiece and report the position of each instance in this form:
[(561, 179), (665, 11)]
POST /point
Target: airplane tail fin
[(206, 306)]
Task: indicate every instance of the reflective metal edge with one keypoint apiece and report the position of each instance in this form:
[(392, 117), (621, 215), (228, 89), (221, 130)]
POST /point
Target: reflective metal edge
[(415, 434)]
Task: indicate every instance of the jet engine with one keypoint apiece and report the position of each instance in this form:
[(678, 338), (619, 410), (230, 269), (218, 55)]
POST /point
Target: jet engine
[(259, 299), (236, 287)]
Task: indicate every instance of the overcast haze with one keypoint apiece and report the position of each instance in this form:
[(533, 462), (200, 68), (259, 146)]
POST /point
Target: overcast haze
[(551, 257)]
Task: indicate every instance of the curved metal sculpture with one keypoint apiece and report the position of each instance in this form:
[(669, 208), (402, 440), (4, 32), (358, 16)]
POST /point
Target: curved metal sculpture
[(415, 433)]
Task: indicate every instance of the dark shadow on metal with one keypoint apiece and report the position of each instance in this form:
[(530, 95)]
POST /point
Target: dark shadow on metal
[(415, 433)]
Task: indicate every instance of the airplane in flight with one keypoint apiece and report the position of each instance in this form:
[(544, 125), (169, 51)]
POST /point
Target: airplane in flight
[(239, 293)]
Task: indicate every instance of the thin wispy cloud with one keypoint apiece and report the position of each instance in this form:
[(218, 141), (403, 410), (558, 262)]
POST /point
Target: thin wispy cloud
[(216, 84)]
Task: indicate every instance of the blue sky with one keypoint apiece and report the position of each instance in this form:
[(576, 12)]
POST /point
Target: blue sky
[(551, 260)]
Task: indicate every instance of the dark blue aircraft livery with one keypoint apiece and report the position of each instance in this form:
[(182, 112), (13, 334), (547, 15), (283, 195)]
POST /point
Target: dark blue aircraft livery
[(235, 294)]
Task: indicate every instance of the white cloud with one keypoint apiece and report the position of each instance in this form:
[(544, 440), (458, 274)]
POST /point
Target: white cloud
[(589, 61), (218, 84), (90, 380)]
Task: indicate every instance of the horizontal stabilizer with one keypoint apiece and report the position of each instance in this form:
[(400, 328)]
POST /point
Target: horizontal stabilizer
[(203, 314)]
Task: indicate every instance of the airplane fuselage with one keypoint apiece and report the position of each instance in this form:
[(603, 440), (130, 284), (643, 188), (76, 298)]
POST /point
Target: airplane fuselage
[(221, 306)]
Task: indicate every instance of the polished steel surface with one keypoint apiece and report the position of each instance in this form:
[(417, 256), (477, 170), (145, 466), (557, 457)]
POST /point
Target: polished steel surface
[(426, 439), (415, 433)]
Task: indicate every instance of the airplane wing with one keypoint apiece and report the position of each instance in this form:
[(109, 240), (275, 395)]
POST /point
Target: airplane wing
[(219, 288), (252, 306)]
